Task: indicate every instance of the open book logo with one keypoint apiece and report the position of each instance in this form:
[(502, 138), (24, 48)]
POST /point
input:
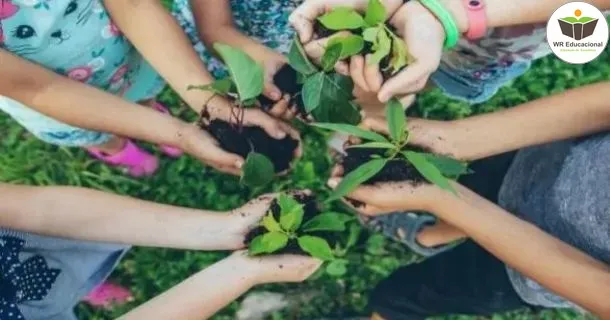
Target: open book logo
[(578, 27), (577, 32)]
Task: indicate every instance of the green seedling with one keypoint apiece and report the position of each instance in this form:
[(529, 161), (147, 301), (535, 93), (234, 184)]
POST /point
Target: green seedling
[(326, 95), (244, 84), (436, 169), (293, 226), (371, 28)]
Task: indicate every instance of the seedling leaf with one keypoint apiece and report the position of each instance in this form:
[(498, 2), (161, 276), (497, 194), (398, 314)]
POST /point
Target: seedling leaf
[(268, 243), (354, 235), (331, 56), (329, 221), (370, 34), (337, 267), (382, 46), (400, 56), (373, 145), (220, 87), (246, 73), (352, 130), (292, 212), (257, 171), (449, 167), (342, 19), (375, 13), (312, 91), (351, 45), (428, 170), (298, 59), (316, 247), (355, 178), (396, 118), (271, 224)]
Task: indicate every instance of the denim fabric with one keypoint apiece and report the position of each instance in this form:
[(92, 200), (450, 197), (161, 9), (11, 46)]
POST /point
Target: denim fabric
[(81, 266), (477, 86)]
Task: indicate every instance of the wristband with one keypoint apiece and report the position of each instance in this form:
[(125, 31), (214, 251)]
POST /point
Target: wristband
[(477, 19), (452, 32)]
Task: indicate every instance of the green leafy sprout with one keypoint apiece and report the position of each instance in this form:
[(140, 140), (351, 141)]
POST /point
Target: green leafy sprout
[(291, 227), (244, 84), (326, 95), (437, 169), (384, 42)]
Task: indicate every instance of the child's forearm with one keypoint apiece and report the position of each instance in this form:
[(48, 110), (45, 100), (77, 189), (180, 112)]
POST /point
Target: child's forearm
[(502, 13), (215, 24), (82, 106), (157, 35), (201, 295), (574, 113), (83, 214), (563, 269)]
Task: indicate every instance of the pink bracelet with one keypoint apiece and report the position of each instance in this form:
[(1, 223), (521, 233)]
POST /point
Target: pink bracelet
[(477, 19)]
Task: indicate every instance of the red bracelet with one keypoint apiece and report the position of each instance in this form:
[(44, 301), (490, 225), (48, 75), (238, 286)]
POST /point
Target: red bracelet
[(477, 19)]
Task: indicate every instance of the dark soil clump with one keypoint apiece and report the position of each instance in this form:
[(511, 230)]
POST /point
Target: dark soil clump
[(286, 79), (394, 171), (244, 140), (321, 31)]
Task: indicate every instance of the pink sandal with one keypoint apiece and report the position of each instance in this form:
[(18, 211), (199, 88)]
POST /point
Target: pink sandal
[(168, 150), (137, 161), (108, 295)]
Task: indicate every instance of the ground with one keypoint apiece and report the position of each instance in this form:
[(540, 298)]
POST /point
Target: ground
[(185, 182)]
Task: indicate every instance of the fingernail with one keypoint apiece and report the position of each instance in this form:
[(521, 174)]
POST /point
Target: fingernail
[(276, 95), (280, 134), (333, 183), (239, 164)]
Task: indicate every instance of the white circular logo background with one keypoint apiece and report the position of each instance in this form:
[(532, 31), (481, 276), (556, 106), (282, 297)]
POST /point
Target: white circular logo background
[(577, 32)]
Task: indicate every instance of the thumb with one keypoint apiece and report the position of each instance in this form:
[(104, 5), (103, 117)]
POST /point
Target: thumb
[(409, 80)]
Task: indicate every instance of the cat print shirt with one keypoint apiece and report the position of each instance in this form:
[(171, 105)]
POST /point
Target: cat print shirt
[(75, 38)]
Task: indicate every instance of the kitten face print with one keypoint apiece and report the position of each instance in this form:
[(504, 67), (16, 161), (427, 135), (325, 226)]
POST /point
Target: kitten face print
[(30, 26)]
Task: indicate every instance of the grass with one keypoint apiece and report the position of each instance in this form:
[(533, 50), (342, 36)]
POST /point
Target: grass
[(185, 182)]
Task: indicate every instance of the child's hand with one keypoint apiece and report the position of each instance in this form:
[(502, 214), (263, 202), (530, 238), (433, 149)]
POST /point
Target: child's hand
[(440, 137), (220, 108), (385, 198), (303, 17), (201, 145), (282, 108), (277, 268), (425, 37)]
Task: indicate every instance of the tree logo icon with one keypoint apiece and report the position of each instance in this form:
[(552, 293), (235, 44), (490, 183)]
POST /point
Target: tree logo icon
[(578, 27)]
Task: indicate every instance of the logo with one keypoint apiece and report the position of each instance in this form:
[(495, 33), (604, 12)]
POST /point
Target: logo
[(577, 32)]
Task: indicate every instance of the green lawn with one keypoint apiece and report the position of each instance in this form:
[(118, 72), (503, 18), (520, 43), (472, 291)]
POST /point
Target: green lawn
[(185, 182)]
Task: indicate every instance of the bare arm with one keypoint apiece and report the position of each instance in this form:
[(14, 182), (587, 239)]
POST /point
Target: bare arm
[(507, 13), (79, 213), (215, 24), (574, 113), (157, 35), (80, 105), (208, 291), (564, 269)]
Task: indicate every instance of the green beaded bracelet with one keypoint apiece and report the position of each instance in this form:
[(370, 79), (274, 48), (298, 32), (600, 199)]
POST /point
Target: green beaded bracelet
[(444, 16)]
